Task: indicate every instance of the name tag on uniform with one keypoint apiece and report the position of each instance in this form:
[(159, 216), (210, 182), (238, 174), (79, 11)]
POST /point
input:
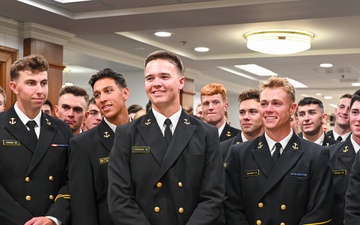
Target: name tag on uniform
[(59, 145), (140, 149), (252, 173), (104, 160), (340, 172), (11, 143), (298, 174)]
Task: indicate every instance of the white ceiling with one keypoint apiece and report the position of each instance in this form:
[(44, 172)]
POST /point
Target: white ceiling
[(124, 29)]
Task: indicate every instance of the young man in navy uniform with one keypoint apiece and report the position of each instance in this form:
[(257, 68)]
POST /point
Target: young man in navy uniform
[(214, 107), (33, 152), (250, 120), (165, 167), (278, 178), (89, 152)]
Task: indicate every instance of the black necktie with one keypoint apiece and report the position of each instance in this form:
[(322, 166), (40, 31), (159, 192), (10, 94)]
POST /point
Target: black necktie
[(339, 139), (276, 154), (168, 133), (31, 124)]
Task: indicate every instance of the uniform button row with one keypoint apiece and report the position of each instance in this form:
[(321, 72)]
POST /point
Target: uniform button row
[(259, 222), (27, 179), (261, 205), (157, 209), (159, 184)]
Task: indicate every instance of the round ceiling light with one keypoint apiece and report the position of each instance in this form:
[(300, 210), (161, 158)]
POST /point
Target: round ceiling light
[(163, 34), (201, 49), (280, 41)]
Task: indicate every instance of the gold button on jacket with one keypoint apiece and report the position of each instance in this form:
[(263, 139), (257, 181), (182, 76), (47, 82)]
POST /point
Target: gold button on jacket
[(260, 205), (180, 184), (258, 222), (28, 197), (157, 209), (27, 179), (159, 184), (51, 178), (51, 197), (283, 207), (181, 210)]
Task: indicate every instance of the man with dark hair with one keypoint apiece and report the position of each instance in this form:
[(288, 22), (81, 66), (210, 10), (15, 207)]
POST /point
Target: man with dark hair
[(47, 107), (310, 117), (33, 153), (342, 157), (71, 107), (133, 109), (214, 106), (250, 120), (165, 167), (278, 178), (93, 116), (2, 99), (89, 152), (342, 128)]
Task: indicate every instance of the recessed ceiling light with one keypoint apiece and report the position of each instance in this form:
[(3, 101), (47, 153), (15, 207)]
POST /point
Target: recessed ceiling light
[(326, 65), (318, 94), (333, 105), (163, 34), (71, 1), (328, 97), (355, 84), (257, 70), (201, 49), (296, 84)]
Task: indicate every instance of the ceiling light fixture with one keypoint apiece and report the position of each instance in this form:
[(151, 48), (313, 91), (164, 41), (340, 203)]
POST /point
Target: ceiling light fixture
[(257, 70), (163, 34), (279, 42), (71, 1), (201, 49), (326, 65)]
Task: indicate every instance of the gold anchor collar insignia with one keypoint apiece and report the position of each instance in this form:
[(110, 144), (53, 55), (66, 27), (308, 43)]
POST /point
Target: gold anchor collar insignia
[(106, 134), (346, 149), (228, 134), (48, 122), (260, 145), (186, 122), (295, 146), (148, 122), (12, 121)]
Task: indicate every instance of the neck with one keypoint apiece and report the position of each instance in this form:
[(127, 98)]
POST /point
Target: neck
[(254, 134), (121, 118), (167, 111), (278, 134), (313, 137), (341, 129)]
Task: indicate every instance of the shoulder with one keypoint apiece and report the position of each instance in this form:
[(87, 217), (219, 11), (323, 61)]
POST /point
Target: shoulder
[(89, 135)]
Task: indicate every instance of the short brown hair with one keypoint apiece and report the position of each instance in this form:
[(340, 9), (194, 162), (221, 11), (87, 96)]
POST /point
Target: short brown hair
[(279, 82), (249, 94), (33, 63), (213, 89), (171, 57), (76, 91)]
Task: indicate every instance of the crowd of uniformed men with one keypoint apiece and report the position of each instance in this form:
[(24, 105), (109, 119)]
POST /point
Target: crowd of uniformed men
[(94, 164)]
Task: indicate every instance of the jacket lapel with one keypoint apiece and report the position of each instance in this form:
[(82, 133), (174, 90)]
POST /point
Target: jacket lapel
[(183, 132), (149, 130), (16, 128), (47, 134), (289, 157), (262, 156), (106, 135), (347, 154)]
